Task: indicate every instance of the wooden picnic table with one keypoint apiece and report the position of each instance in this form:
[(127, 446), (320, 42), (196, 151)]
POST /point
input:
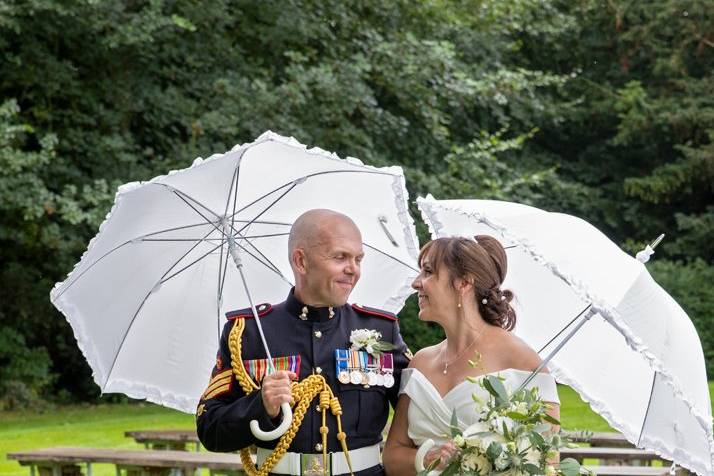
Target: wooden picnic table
[(165, 439), (608, 439), (62, 461), (628, 470), (624, 456)]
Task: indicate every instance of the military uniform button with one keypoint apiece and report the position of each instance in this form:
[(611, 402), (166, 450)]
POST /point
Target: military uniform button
[(318, 334), (318, 447), (318, 370)]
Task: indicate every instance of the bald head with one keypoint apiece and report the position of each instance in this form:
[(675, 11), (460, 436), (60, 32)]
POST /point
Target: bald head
[(313, 227), (325, 251)]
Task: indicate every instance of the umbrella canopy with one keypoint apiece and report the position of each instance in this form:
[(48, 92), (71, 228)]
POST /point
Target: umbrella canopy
[(637, 360), (147, 299)]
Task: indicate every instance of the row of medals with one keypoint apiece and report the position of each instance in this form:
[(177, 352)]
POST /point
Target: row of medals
[(371, 378)]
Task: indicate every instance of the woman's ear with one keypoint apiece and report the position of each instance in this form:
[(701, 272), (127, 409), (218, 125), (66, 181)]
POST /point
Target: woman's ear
[(464, 286)]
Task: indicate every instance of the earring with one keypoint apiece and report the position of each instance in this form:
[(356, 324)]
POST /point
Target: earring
[(484, 301), (459, 304)]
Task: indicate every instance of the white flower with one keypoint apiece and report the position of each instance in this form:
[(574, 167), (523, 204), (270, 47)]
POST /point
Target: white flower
[(513, 472), (459, 441), (364, 339), (502, 461), (478, 427), (550, 470), (476, 462), (486, 441), (533, 456)]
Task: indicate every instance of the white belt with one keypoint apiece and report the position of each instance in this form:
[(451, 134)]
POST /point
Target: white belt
[(298, 464)]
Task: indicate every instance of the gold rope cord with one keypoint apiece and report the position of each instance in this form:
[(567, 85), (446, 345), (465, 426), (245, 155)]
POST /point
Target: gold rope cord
[(303, 393)]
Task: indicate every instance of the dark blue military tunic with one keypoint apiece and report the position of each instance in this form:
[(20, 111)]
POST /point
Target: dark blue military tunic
[(224, 414)]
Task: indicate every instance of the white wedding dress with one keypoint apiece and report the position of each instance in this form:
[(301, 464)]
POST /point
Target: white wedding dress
[(430, 414)]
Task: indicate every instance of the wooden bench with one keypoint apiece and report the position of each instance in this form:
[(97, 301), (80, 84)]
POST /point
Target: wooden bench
[(165, 439), (66, 461)]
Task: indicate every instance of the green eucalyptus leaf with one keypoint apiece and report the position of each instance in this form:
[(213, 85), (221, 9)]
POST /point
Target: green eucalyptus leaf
[(497, 386), (453, 468), (552, 420), (494, 450), (454, 425), (517, 416), (532, 469), (536, 439), (569, 467)]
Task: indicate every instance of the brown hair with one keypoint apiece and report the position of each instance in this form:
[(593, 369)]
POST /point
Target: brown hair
[(482, 260)]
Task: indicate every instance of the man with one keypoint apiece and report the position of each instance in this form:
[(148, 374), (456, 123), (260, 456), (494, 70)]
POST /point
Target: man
[(309, 333)]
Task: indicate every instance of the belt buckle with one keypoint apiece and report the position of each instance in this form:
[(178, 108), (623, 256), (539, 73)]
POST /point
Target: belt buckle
[(314, 465)]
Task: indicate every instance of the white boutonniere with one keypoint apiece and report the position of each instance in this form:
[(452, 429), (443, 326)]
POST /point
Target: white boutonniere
[(369, 340)]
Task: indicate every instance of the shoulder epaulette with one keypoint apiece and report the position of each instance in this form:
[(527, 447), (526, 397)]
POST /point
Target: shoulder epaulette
[(262, 309), (373, 311)]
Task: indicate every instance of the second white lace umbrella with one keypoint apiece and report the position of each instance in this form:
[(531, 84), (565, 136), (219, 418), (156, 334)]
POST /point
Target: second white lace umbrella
[(637, 359)]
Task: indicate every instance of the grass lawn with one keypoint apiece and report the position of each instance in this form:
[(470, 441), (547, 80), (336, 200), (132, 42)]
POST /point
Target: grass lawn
[(103, 426), (99, 426)]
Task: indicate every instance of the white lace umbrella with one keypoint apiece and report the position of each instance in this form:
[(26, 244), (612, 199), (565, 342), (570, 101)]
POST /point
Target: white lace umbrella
[(637, 358), (147, 300)]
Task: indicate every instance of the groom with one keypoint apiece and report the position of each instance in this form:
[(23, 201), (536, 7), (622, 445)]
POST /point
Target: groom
[(308, 333)]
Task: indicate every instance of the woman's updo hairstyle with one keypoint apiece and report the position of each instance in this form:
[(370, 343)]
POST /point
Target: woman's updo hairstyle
[(483, 261)]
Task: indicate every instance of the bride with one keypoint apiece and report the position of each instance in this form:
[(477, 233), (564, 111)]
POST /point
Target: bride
[(459, 288)]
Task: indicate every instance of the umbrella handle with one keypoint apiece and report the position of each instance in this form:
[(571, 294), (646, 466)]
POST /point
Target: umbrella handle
[(287, 418), (419, 458)]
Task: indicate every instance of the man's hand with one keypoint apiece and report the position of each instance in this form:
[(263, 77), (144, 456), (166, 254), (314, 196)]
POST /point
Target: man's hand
[(276, 391)]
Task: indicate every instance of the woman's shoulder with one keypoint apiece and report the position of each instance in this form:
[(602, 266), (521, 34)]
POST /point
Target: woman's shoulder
[(519, 355), (424, 356)]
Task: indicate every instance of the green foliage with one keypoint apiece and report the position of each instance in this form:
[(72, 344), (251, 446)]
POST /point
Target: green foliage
[(600, 111), (24, 372)]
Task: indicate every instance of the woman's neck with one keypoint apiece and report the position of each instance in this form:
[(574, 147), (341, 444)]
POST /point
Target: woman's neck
[(463, 332)]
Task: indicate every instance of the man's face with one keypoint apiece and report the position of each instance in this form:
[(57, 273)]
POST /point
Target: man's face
[(333, 264)]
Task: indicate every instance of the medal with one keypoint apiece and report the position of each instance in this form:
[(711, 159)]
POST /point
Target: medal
[(388, 369), (341, 365), (372, 379), (363, 359), (354, 366), (380, 380)]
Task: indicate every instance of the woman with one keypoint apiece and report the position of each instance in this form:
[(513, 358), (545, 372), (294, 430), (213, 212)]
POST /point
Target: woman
[(459, 288)]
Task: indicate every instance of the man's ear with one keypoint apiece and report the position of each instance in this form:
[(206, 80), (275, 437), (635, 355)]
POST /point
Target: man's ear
[(299, 260)]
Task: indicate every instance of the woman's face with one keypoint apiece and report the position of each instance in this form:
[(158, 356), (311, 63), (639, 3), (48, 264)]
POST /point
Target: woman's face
[(437, 297)]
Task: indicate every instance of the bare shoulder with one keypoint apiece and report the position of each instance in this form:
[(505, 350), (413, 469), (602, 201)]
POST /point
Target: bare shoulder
[(423, 357), (520, 355)]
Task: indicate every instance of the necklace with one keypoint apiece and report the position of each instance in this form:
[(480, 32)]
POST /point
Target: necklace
[(449, 362)]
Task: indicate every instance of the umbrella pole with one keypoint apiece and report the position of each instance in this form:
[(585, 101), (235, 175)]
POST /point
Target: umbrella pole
[(287, 416), (591, 312), (239, 264)]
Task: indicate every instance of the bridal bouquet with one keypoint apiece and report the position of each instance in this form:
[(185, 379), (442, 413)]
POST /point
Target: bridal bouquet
[(514, 436)]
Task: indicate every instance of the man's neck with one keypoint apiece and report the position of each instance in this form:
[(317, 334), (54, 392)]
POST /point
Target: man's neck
[(306, 298)]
